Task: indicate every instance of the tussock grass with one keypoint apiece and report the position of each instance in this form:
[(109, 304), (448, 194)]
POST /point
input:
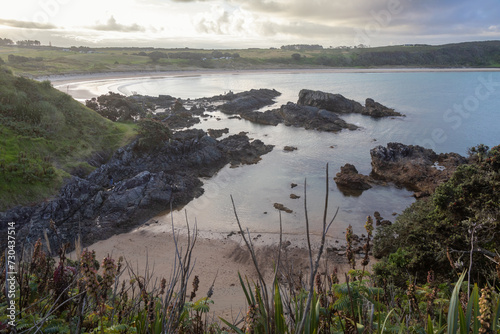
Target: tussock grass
[(44, 136)]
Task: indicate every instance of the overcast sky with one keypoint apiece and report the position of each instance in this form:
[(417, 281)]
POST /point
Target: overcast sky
[(249, 23)]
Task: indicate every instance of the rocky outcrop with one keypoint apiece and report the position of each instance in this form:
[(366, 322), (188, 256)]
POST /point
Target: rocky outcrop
[(245, 105), (268, 117), (217, 133), (132, 187), (332, 102), (375, 109), (313, 118), (350, 182), (414, 167), (239, 150), (248, 101), (339, 104)]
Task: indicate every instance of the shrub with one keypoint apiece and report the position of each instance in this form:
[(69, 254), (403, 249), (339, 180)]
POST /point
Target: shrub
[(152, 133)]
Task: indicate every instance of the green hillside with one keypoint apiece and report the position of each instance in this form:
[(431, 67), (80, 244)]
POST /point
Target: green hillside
[(45, 60), (45, 135)]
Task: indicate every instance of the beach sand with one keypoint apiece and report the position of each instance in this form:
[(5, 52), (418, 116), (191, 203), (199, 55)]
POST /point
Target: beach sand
[(216, 257)]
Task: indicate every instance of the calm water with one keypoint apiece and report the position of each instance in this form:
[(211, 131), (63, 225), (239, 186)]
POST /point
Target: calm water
[(446, 111)]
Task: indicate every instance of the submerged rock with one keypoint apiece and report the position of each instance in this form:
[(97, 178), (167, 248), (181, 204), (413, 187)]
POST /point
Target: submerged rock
[(290, 148), (281, 207)]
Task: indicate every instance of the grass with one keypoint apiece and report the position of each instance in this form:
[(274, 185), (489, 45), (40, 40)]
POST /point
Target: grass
[(44, 136)]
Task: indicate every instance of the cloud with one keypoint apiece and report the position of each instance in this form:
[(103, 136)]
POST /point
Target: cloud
[(428, 17), (112, 25), (27, 24), (223, 20)]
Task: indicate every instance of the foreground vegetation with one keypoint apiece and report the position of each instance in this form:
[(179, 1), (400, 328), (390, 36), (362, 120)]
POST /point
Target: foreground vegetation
[(87, 296), (45, 135), (36, 60), (456, 229)]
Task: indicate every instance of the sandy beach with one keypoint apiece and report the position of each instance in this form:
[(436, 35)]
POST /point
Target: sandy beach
[(216, 257)]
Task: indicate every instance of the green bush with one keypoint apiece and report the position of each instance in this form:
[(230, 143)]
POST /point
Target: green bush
[(438, 233)]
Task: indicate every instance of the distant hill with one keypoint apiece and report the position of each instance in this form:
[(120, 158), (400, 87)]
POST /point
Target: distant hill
[(473, 54), (44, 60), (45, 135)]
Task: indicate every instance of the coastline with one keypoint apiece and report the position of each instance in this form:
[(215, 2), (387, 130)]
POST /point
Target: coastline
[(71, 78), (215, 253)]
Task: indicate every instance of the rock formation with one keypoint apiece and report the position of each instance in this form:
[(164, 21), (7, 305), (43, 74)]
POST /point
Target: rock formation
[(248, 101), (144, 184), (413, 167), (339, 104), (416, 168), (214, 133), (349, 180)]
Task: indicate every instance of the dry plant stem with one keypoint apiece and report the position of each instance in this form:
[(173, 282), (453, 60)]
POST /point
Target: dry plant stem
[(314, 269), (182, 270), (37, 326), (278, 260), (254, 258)]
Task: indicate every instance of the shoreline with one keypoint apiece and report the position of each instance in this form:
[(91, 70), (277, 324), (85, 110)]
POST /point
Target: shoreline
[(73, 78)]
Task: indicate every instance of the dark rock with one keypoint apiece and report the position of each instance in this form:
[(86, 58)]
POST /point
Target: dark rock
[(413, 167), (289, 148), (240, 150), (268, 117), (339, 104), (310, 117), (331, 102), (350, 182), (375, 109), (248, 101), (178, 119), (217, 133), (281, 207)]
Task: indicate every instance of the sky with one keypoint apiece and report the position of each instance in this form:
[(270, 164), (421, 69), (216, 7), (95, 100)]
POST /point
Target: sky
[(234, 24)]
